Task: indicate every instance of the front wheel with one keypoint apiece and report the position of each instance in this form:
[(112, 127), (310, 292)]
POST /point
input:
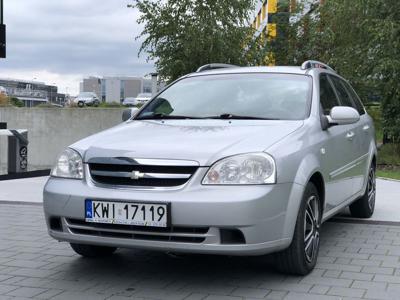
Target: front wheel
[(92, 251), (301, 256), (364, 207), (81, 104)]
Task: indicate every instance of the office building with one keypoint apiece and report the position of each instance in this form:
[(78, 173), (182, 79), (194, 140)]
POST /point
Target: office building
[(115, 89), (32, 93)]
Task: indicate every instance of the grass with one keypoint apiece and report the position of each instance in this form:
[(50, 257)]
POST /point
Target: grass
[(387, 173), (388, 154), (389, 161)]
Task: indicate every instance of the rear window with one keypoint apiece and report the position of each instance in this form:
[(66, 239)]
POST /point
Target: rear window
[(270, 96), (343, 94)]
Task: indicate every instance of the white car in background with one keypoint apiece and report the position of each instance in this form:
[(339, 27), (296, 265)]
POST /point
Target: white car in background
[(87, 98), (138, 100)]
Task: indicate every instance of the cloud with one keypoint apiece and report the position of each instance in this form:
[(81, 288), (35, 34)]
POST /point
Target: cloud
[(64, 41)]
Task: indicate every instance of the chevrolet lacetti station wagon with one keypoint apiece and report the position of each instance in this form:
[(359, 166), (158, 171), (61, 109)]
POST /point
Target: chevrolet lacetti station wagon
[(227, 160)]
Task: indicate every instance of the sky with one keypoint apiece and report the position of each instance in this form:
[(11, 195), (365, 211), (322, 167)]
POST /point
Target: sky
[(62, 41)]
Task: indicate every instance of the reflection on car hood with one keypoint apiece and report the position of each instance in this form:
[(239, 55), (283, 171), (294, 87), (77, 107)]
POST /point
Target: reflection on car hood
[(204, 141)]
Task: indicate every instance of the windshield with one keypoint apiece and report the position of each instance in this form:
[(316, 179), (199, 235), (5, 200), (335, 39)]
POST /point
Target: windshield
[(252, 96)]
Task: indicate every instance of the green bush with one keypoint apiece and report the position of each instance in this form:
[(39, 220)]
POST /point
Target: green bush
[(389, 154), (46, 105), (376, 113), (110, 104), (16, 102)]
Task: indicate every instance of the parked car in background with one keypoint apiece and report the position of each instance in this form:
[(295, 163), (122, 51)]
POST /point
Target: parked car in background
[(140, 99), (129, 101), (88, 99), (227, 160)]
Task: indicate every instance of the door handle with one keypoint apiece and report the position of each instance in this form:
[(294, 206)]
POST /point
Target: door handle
[(350, 135), (366, 128)]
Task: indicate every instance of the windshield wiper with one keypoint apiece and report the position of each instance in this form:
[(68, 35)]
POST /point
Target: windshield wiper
[(160, 116), (239, 117)]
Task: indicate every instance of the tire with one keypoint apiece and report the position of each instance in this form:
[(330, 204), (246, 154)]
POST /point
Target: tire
[(301, 256), (81, 104), (364, 207), (92, 251), (96, 103)]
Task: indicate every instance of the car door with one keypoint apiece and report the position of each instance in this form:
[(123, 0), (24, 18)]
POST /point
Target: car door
[(336, 150), (364, 135), (354, 137)]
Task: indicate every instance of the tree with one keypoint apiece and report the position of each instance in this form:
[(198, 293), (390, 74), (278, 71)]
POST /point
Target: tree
[(181, 35), (361, 40)]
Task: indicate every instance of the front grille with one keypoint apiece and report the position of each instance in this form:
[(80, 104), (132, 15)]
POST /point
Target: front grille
[(141, 175), (173, 234)]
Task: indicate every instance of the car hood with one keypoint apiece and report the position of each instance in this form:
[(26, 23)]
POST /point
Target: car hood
[(204, 141)]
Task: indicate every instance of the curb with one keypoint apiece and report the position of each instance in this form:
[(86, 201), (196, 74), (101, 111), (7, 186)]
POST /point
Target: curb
[(388, 179), (8, 202), (363, 221), (25, 175)]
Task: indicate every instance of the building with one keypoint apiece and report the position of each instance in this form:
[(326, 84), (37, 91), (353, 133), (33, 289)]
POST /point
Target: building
[(266, 16), (91, 84), (115, 89), (32, 93)]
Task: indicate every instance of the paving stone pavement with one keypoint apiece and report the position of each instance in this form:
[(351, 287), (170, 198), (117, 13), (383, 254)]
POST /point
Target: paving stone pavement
[(355, 262)]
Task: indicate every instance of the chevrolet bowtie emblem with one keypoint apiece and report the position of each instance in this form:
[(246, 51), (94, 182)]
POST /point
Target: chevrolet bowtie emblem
[(135, 175)]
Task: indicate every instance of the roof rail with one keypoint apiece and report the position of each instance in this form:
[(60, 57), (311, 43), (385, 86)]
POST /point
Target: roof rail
[(311, 64), (214, 67)]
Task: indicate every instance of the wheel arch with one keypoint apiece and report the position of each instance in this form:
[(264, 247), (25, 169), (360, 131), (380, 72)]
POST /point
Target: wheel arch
[(318, 180), (309, 170)]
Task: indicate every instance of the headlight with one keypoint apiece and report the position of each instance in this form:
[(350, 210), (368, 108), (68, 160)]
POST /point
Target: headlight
[(69, 165), (252, 168)]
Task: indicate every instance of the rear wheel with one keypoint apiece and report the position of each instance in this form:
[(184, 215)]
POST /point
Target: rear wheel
[(301, 256), (81, 104), (92, 251), (96, 103), (364, 207)]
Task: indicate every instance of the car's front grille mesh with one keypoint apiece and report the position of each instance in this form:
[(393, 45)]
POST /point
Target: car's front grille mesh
[(173, 234), (141, 175)]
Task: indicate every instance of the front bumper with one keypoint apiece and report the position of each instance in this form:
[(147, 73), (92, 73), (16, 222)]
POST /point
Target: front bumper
[(265, 215)]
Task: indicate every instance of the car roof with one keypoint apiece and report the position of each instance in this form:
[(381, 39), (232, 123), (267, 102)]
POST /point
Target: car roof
[(238, 70)]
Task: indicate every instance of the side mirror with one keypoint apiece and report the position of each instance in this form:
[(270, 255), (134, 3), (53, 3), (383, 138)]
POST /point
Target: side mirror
[(343, 115), (129, 113)]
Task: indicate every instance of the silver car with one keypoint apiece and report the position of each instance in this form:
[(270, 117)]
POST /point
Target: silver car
[(227, 160)]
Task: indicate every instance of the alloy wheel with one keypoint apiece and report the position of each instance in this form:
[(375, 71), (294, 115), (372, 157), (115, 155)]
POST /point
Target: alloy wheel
[(311, 228), (371, 188)]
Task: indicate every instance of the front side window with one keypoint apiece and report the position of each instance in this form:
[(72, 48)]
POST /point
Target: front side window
[(327, 94), (263, 96)]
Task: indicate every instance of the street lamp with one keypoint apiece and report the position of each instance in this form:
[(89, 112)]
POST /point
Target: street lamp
[(2, 32)]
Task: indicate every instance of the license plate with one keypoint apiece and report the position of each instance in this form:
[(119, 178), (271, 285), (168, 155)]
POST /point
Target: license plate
[(137, 214)]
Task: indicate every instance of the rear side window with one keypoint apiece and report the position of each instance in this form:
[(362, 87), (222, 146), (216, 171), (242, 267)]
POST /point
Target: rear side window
[(344, 96), (356, 99), (327, 94)]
